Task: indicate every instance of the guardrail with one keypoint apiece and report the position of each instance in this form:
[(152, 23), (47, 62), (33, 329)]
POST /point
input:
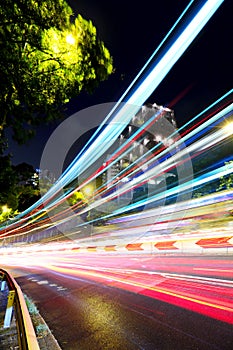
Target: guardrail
[(26, 333)]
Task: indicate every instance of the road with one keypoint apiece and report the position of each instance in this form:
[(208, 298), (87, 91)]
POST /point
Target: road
[(94, 301)]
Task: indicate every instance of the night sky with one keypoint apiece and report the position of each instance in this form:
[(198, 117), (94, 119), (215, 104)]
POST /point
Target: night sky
[(132, 31)]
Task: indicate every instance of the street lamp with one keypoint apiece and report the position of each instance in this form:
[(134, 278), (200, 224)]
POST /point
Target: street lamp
[(88, 191), (228, 128), (5, 209), (5, 212), (70, 39)]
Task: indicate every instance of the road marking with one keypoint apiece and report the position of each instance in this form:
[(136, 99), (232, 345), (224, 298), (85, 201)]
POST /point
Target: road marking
[(43, 282), (61, 288)]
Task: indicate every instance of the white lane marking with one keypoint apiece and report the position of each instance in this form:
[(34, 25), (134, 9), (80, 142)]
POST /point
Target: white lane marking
[(61, 288), (43, 282)]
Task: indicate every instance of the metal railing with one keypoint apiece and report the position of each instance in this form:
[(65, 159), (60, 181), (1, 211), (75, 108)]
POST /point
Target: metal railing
[(15, 302)]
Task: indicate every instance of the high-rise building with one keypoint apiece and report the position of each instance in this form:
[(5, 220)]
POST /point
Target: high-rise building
[(153, 126), (162, 125)]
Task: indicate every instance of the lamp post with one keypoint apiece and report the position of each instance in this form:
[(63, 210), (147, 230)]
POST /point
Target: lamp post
[(228, 128), (70, 39)]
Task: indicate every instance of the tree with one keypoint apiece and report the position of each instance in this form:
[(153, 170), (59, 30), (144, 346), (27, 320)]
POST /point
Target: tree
[(77, 197), (27, 186), (7, 184), (46, 58), (18, 187), (27, 196), (24, 173), (226, 182)]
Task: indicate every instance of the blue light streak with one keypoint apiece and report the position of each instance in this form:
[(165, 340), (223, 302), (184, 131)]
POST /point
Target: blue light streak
[(120, 116)]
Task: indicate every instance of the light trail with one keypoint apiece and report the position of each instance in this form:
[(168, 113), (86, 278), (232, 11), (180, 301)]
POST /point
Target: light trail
[(177, 280), (120, 118), (163, 167), (153, 166), (146, 87), (143, 252)]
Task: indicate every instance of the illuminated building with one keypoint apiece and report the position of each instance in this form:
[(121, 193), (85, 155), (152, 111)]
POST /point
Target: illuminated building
[(163, 125)]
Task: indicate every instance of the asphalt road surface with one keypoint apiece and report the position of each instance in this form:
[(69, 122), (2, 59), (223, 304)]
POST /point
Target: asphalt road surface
[(88, 311)]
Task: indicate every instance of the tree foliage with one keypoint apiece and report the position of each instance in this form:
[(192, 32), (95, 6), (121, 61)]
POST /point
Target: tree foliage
[(18, 187), (226, 182), (8, 181), (77, 197), (46, 58)]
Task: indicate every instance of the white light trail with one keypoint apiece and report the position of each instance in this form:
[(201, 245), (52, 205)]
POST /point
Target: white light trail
[(121, 117)]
